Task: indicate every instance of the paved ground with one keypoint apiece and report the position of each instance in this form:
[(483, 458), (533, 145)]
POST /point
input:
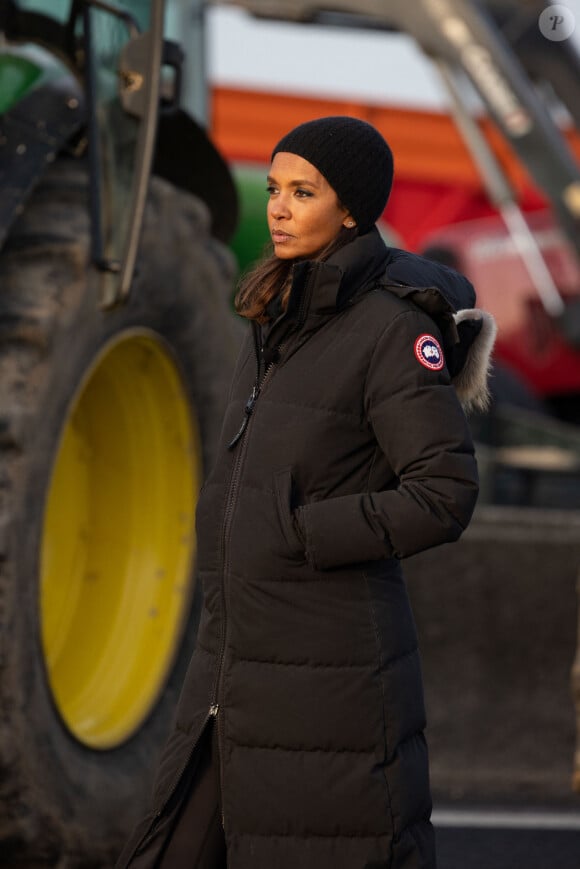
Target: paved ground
[(507, 839)]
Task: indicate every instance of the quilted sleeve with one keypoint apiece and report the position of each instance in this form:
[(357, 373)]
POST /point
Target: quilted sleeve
[(419, 425)]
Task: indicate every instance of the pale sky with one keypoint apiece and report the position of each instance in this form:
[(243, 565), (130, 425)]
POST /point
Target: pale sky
[(375, 67)]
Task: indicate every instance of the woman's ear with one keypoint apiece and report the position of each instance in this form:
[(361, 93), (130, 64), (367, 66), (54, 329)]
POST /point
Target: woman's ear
[(349, 222)]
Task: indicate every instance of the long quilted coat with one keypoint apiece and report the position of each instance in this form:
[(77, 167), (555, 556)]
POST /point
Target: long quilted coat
[(344, 454)]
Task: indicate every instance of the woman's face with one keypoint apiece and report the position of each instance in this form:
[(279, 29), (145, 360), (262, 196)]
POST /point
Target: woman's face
[(304, 214)]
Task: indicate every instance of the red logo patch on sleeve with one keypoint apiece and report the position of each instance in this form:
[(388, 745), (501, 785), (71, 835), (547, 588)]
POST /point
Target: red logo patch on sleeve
[(428, 352)]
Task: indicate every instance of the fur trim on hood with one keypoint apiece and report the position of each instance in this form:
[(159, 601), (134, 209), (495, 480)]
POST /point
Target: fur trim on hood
[(471, 381)]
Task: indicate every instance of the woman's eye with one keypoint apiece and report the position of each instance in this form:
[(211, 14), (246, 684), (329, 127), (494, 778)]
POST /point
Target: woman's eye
[(303, 193), (270, 189)]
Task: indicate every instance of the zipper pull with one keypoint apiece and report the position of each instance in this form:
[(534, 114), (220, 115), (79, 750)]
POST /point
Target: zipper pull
[(247, 414), (213, 710)]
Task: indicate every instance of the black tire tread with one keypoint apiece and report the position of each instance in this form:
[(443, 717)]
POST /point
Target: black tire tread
[(47, 293)]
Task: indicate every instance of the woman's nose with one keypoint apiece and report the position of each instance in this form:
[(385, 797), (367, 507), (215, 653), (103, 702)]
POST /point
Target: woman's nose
[(279, 207)]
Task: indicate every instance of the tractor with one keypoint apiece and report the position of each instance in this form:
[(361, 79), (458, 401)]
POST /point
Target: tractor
[(116, 349)]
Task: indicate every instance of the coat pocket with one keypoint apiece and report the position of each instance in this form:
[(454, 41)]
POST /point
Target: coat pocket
[(283, 491)]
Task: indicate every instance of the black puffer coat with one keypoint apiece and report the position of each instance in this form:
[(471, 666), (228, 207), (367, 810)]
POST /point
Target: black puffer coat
[(351, 453)]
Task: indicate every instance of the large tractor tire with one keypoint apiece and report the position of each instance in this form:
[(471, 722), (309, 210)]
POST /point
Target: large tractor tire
[(107, 424)]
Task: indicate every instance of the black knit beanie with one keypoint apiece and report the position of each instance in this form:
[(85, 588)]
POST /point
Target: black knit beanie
[(353, 157)]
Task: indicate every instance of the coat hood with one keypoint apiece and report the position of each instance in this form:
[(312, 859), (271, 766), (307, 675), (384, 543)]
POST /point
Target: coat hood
[(449, 298)]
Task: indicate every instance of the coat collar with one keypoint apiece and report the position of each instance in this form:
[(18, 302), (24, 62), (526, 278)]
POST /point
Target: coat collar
[(322, 288), (325, 287)]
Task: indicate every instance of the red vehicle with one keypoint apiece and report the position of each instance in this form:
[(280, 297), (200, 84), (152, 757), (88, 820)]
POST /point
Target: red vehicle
[(530, 341)]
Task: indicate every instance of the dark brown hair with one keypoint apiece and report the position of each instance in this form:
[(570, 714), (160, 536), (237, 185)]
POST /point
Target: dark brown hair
[(273, 276)]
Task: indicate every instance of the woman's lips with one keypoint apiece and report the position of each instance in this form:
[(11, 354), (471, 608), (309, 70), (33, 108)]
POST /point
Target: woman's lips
[(279, 237)]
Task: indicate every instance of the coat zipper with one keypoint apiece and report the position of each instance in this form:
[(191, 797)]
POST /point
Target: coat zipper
[(248, 409), (256, 389), (214, 708), (144, 841), (238, 439)]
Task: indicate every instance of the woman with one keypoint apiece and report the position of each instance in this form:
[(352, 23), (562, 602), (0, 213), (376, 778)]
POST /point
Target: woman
[(344, 449)]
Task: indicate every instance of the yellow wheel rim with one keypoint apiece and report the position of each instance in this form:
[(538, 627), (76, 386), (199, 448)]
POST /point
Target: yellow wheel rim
[(118, 540)]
